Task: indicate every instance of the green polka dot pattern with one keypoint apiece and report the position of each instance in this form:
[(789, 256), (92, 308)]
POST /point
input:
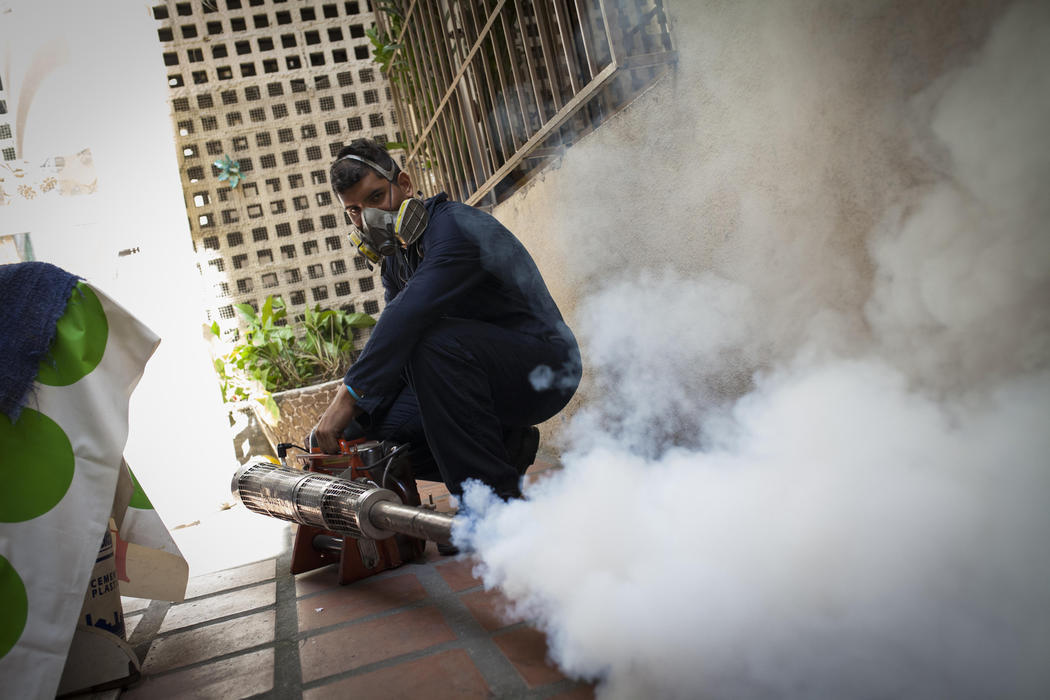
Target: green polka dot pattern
[(80, 340), (14, 606), (138, 496), (36, 466)]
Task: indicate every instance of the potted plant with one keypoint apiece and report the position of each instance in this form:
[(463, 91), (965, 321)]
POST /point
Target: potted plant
[(288, 373)]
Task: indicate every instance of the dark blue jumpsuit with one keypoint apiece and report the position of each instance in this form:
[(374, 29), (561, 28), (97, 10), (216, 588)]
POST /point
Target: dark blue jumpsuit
[(470, 344)]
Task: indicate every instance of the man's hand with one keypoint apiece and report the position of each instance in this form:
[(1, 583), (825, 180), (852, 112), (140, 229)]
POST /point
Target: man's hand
[(336, 417)]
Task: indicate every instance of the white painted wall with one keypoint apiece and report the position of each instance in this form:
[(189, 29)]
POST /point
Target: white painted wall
[(90, 75)]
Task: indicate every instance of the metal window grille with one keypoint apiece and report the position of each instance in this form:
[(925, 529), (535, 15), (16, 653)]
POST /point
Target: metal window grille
[(489, 91)]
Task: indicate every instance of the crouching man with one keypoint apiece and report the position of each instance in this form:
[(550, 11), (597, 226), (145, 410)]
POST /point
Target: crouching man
[(470, 352)]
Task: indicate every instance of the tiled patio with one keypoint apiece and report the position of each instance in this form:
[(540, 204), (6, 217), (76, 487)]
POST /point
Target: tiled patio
[(427, 628)]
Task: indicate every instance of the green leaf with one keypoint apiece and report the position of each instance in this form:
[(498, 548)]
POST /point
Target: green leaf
[(359, 320), (215, 328), (247, 311)]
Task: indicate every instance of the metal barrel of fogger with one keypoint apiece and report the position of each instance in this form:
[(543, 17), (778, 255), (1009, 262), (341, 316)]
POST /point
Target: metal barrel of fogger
[(353, 508)]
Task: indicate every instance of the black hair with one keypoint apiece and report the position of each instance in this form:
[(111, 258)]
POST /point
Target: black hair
[(344, 174)]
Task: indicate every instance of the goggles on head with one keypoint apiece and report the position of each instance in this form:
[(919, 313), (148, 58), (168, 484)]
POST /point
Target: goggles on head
[(386, 173)]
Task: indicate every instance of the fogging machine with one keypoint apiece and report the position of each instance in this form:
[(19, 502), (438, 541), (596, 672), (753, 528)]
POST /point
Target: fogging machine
[(360, 507)]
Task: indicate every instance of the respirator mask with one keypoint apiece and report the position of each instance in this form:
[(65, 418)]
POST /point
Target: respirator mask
[(382, 231)]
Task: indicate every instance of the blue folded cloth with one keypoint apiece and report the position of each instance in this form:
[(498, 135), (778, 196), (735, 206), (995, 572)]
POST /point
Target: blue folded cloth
[(33, 296)]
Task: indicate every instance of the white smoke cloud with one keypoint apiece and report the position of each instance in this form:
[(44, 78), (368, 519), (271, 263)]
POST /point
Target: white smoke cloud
[(857, 540), (839, 504)]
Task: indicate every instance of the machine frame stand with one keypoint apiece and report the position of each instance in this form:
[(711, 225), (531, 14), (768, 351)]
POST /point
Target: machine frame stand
[(314, 547)]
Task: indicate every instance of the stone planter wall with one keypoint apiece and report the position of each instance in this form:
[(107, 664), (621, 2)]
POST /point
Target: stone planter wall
[(300, 410)]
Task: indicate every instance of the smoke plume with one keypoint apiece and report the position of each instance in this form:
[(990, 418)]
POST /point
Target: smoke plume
[(819, 466)]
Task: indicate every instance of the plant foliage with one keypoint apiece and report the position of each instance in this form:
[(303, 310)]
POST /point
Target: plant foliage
[(384, 47), (229, 170), (276, 356)]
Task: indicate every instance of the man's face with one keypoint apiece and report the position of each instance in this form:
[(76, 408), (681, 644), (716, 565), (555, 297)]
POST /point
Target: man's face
[(375, 192)]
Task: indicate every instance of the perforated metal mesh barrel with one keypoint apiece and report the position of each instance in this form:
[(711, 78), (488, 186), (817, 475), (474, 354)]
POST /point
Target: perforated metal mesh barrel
[(323, 501)]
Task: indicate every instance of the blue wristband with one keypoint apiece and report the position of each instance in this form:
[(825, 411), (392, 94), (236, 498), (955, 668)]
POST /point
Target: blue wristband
[(352, 392)]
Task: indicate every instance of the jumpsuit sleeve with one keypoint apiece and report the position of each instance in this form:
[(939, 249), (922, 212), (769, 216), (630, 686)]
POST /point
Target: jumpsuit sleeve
[(451, 269)]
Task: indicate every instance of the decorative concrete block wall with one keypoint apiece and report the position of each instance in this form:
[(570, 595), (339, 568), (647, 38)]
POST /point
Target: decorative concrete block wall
[(301, 408)]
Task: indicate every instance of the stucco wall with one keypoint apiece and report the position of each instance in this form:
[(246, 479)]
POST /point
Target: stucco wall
[(787, 133)]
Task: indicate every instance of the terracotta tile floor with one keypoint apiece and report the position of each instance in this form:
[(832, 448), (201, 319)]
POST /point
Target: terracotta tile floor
[(426, 629)]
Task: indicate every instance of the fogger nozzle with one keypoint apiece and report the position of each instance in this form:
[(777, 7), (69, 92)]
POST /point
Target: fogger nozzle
[(353, 508)]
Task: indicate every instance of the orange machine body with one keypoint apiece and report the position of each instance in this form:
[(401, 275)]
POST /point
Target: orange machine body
[(357, 559)]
